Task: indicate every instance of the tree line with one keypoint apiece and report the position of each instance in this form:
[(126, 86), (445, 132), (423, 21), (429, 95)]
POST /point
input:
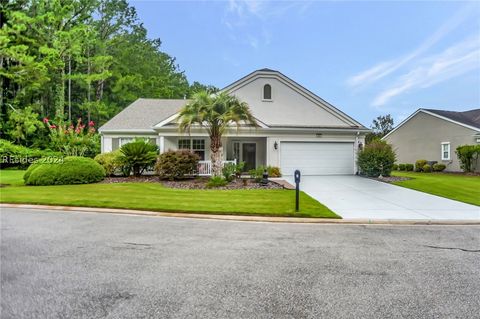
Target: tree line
[(66, 59)]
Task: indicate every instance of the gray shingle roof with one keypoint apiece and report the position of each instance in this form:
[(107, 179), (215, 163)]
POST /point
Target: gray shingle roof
[(471, 118), (143, 114)]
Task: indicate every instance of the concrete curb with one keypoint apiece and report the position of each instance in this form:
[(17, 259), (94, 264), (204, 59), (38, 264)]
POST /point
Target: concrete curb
[(301, 220)]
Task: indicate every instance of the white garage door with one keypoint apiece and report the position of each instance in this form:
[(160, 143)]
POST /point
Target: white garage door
[(316, 158)]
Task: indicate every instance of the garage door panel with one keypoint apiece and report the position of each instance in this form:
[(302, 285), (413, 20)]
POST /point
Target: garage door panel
[(319, 158)]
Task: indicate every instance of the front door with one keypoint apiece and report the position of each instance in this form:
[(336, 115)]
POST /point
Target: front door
[(249, 155)]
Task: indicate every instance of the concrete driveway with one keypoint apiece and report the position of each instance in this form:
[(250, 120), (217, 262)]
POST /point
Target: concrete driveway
[(359, 197)]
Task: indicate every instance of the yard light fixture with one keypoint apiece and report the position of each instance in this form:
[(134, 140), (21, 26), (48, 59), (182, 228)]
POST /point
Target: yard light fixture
[(275, 145), (360, 146)]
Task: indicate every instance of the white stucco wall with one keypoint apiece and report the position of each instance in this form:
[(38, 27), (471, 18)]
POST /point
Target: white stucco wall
[(287, 107)]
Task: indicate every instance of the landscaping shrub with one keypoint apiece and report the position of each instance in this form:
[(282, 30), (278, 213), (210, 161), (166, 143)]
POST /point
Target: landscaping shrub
[(139, 155), (409, 167), (439, 167), (45, 160), (21, 157), (216, 181), (229, 171), (401, 167), (426, 168), (419, 164), (257, 173), (273, 171), (72, 170), (468, 155), (112, 162), (376, 158), (239, 168), (395, 167), (179, 164)]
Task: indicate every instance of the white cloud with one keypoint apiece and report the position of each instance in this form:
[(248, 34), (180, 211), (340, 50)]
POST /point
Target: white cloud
[(454, 61), (240, 15), (385, 68)]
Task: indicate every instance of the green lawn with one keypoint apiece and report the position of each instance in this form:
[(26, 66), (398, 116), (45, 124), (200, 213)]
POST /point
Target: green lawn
[(155, 197), (454, 186)]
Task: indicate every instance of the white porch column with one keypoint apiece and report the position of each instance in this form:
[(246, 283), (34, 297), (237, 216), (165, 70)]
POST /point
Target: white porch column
[(161, 144), (106, 144)]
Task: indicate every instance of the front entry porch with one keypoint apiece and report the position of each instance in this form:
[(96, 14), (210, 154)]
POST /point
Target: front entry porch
[(205, 167), (250, 150)]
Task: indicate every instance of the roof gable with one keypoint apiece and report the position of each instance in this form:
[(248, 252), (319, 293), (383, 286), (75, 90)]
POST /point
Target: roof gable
[(446, 116), (470, 118), (291, 104)]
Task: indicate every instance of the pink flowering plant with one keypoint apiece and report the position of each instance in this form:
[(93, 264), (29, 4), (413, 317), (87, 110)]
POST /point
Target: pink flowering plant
[(74, 139)]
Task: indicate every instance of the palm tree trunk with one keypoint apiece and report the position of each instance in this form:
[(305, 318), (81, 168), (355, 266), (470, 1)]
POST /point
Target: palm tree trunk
[(217, 154)]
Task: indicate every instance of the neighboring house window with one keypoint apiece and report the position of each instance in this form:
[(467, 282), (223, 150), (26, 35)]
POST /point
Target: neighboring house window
[(125, 140), (445, 151), (267, 92), (195, 145)]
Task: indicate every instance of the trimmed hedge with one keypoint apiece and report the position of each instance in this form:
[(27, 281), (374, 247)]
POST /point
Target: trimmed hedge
[(72, 170), (12, 155), (112, 162), (439, 167), (395, 167), (179, 164), (401, 167), (426, 168), (419, 164), (409, 167)]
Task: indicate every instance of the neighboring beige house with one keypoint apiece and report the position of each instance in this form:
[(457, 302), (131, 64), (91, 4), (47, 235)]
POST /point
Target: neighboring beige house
[(434, 135), (298, 129)]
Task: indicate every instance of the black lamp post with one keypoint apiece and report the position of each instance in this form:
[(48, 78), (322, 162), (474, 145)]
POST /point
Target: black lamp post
[(264, 181)]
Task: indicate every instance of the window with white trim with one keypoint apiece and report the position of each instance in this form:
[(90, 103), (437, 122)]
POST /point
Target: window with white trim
[(124, 140), (445, 151), (184, 144), (195, 145)]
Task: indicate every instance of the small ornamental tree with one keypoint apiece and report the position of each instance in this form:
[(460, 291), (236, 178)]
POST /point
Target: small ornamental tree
[(376, 159), (468, 155), (74, 140)]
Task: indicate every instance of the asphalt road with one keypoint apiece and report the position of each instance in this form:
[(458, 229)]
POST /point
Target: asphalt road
[(87, 265)]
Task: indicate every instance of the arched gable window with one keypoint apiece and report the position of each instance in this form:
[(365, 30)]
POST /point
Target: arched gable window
[(267, 92)]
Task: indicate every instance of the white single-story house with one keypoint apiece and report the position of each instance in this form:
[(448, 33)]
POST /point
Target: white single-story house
[(297, 129)]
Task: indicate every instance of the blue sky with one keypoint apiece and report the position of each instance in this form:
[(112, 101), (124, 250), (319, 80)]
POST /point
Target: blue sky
[(366, 58)]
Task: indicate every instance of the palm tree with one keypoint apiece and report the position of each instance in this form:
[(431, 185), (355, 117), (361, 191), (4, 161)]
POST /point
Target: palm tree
[(216, 113)]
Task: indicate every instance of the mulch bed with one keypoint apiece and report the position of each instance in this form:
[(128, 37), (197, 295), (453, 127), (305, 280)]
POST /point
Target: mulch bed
[(131, 179), (194, 183), (390, 179), (201, 183)]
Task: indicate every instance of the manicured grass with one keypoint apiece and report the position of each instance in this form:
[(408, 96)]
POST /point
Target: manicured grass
[(463, 188), (11, 177), (155, 197)]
